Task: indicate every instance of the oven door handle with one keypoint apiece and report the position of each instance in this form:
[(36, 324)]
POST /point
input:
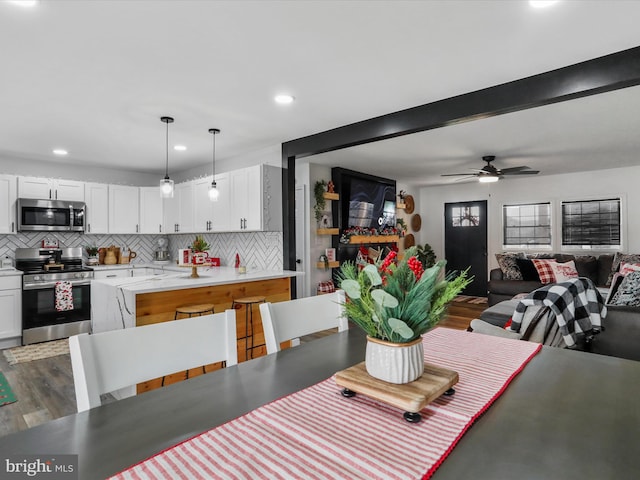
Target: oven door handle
[(50, 285)]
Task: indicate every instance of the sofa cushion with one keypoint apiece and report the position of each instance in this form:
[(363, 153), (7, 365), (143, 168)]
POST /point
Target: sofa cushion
[(508, 265), (605, 262), (587, 266), (628, 293), (528, 270), (618, 259), (551, 271)]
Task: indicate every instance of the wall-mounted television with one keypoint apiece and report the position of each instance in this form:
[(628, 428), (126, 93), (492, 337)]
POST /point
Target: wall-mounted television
[(365, 200)]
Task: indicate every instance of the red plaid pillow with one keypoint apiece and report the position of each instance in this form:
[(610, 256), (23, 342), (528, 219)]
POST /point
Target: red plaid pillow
[(326, 287), (545, 270)]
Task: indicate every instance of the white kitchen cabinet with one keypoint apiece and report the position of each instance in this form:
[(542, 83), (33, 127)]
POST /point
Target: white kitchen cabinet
[(221, 209), (11, 308), (178, 211), (202, 206), (256, 199), (97, 211), (49, 188), (151, 210), (8, 196), (123, 209)]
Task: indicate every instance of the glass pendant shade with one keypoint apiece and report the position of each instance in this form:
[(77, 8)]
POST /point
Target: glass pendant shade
[(214, 193), (166, 184), (166, 188)]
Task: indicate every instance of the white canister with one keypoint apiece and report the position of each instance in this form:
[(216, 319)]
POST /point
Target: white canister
[(184, 255)]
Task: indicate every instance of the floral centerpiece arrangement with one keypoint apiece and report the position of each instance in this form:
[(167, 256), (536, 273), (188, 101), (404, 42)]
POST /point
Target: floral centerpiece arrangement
[(395, 302)]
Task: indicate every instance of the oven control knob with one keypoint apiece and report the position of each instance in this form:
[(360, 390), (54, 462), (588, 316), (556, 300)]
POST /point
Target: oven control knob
[(78, 275), (37, 278)]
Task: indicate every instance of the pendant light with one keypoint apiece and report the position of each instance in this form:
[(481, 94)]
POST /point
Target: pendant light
[(166, 184), (214, 193)]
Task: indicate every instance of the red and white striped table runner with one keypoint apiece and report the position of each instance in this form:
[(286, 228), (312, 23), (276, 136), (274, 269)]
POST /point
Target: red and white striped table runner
[(316, 433)]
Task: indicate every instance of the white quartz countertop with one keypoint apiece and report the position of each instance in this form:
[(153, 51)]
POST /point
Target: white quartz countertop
[(177, 280), (7, 272)]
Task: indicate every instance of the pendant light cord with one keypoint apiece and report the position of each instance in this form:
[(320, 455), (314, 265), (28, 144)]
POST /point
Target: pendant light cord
[(166, 173), (214, 156)]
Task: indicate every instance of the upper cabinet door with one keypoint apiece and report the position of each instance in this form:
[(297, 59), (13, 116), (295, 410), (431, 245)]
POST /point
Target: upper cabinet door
[(151, 210), (203, 207), (178, 211), (221, 209), (123, 209), (68, 190), (97, 213), (8, 195), (51, 189), (256, 199)]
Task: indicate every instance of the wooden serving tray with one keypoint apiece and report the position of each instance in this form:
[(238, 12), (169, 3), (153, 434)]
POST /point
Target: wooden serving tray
[(411, 397)]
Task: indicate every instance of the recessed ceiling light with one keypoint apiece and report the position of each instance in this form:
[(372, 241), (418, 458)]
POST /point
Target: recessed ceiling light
[(284, 99), (542, 3), (24, 3), (179, 148), (60, 151)]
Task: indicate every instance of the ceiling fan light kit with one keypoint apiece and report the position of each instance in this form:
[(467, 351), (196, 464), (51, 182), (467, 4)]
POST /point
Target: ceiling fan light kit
[(489, 173)]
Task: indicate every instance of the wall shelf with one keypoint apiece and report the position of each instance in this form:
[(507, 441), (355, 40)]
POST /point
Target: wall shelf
[(322, 265), (401, 206), (331, 196), (362, 239), (327, 231)]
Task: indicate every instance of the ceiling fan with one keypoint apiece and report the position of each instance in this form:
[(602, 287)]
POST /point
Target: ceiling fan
[(489, 173)]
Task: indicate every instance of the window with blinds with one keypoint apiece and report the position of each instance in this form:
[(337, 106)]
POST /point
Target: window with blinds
[(591, 223), (527, 225)]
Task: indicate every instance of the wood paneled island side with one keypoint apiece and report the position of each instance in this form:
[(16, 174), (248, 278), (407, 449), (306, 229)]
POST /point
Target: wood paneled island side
[(129, 302)]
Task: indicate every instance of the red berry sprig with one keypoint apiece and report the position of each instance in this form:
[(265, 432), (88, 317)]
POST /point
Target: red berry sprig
[(384, 266), (416, 267)]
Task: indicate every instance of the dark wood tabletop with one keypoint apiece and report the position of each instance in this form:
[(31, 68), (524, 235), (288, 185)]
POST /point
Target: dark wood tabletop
[(567, 415)]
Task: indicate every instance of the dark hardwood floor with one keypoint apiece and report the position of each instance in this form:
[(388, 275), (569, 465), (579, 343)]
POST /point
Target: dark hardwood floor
[(45, 391)]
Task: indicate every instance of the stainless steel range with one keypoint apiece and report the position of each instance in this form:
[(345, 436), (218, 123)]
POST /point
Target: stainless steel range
[(44, 269)]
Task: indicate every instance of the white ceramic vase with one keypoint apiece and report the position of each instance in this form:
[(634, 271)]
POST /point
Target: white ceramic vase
[(394, 362)]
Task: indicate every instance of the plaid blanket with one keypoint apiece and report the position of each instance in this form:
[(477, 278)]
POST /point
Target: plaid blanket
[(576, 304)]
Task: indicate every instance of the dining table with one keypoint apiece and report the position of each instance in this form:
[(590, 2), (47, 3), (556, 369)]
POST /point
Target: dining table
[(567, 414)]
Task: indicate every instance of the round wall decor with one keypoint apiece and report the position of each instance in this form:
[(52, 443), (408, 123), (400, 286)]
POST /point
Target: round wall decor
[(409, 241), (416, 222), (409, 205)]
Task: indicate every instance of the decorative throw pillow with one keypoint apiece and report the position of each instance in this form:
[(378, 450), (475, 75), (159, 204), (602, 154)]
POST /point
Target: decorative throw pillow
[(528, 270), (628, 292), (551, 271), (627, 268), (509, 266), (618, 259)]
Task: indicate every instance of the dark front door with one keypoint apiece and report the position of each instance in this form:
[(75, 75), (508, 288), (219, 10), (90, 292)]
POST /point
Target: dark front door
[(465, 242)]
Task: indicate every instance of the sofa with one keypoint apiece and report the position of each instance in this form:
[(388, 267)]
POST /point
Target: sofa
[(597, 269), (621, 334)]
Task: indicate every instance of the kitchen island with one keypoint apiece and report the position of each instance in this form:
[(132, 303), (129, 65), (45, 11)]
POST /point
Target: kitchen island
[(128, 302)]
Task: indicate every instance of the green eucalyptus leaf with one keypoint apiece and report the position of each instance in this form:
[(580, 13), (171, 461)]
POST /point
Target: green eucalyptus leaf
[(384, 299), (375, 318), (351, 288), (374, 276), (399, 327)]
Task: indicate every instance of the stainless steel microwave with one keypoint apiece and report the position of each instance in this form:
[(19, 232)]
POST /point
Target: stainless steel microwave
[(50, 215)]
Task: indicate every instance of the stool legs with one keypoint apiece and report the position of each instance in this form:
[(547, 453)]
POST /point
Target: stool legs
[(248, 326)]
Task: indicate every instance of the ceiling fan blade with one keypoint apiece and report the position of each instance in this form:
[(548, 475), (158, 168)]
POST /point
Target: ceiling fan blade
[(455, 174), (523, 172), (514, 169)]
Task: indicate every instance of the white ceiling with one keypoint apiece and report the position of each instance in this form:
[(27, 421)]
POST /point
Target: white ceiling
[(95, 77)]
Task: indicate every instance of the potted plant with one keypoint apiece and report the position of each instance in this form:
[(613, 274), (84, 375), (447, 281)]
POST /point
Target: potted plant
[(92, 251), (199, 247), (395, 302), (318, 193)]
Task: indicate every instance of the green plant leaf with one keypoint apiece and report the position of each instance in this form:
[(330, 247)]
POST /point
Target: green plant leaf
[(351, 288), (384, 299), (401, 328), (374, 276)]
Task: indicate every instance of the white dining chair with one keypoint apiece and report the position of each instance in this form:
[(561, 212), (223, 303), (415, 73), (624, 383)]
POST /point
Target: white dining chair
[(109, 361), (292, 319)]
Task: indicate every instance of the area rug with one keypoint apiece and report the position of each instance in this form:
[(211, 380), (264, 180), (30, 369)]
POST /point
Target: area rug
[(469, 299), (6, 394), (37, 351)]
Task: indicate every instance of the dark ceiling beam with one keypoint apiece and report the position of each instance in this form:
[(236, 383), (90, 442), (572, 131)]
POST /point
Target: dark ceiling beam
[(602, 74), (599, 75)]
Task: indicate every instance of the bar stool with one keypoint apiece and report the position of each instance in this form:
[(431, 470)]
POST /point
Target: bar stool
[(248, 302), (194, 310)]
